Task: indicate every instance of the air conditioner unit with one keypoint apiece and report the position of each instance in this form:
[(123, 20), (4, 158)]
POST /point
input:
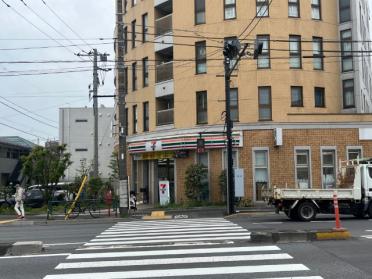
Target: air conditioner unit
[(278, 137)]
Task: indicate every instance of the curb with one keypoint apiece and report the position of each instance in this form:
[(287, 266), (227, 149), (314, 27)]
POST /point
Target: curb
[(298, 236)]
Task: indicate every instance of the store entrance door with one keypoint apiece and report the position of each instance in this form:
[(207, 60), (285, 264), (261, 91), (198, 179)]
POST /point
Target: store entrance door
[(166, 172)]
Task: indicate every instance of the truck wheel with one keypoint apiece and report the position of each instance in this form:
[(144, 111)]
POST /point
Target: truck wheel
[(306, 211), (291, 214)]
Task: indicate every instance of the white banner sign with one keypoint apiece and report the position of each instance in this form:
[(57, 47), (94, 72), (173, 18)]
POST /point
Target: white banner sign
[(164, 193)]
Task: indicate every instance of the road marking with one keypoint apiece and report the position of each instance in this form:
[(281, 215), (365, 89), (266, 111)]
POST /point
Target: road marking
[(367, 236), (7, 221), (200, 220), (368, 230), (167, 240), (162, 229), (36, 256), (167, 261), (63, 244), (183, 272), (173, 252), (173, 226), (167, 232), (268, 223), (301, 277), (324, 221), (170, 237)]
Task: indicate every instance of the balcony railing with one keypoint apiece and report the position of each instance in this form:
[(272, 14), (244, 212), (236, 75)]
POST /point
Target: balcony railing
[(163, 25), (165, 117), (164, 72)]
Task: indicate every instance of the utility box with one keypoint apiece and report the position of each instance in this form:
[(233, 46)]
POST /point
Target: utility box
[(278, 137)]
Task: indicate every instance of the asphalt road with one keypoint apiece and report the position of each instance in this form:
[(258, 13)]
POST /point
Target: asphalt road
[(323, 259)]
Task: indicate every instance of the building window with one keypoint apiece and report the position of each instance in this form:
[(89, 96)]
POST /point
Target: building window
[(81, 149), (296, 96), (354, 153), (134, 76), (345, 10), (346, 50), (145, 28), (316, 9), (235, 159), (348, 93), (135, 119), (264, 103), (126, 80), (146, 116), (125, 6), (125, 39), (199, 11), (263, 61), (81, 120), (303, 169), (295, 60), (318, 62), (261, 173), (294, 8), (319, 96), (203, 160), (230, 9), (145, 71), (134, 2), (201, 107), (126, 122), (262, 8), (200, 57), (133, 25), (234, 104), (328, 169)]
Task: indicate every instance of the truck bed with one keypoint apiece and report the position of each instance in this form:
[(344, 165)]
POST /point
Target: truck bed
[(315, 194)]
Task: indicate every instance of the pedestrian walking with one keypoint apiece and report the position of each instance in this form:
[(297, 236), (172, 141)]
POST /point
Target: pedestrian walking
[(133, 201), (20, 196)]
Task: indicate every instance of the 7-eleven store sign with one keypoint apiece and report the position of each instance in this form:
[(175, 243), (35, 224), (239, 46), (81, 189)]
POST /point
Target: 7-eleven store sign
[(184, 142)]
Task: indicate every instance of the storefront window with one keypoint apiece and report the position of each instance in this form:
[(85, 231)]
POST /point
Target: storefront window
[(202, 159), (328, 169), (261, 173)]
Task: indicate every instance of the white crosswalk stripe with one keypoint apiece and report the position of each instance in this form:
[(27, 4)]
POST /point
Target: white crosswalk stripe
[(368, 234), (202, 248)]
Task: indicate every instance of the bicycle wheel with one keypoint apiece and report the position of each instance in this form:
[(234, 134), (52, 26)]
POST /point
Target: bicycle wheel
[(74, 213), (94, 210)]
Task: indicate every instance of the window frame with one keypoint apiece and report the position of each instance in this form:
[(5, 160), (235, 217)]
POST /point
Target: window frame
[(317, 6), (265, 39), (145, 27), (265, 106), (202, 60), (198, 11), (203, 108), (323, 151), (301, 105), (145, 72), (354, 148), (125, 31), (234, 107), (227, 6), (346, 55), (133, 35), (299, 150), (126, 79), (295, 54), (134, 119), (146, 116), (254, 167), (294, 4), (322, 89), (344, 91), (134, 76), (344, 8), (316, 55), (265, 3)]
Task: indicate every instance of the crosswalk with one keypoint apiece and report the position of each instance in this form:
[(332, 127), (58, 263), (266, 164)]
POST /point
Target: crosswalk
[(368, 234), (199, 248)]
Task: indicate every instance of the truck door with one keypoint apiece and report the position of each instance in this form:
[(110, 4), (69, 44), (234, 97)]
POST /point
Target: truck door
[(368, 182)]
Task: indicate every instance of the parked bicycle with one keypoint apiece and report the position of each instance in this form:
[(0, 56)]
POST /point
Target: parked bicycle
[(92, 206)]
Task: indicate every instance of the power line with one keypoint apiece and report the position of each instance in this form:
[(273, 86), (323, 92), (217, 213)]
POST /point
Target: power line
[(29, 116), (27, 133)]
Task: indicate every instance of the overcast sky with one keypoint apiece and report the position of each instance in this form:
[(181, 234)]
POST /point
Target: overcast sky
[(44, 94)]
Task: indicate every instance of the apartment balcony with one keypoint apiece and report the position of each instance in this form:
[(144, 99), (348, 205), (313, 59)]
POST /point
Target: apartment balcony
[(158, 3), (163, 33), (165, 117), (164, 79)]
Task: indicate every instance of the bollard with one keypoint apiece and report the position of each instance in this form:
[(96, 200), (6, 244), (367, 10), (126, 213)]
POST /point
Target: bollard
[(337, 212)]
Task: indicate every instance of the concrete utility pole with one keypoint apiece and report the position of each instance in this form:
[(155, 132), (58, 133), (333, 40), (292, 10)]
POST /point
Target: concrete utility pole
[(95, 111), (231, 52), (121, 87)]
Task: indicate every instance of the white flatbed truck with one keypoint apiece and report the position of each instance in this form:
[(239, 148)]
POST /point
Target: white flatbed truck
[(354, 194)]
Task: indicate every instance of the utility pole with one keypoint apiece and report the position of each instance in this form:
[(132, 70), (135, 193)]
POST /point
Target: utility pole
[(96, 84), (121, 89), (95, 111), (230, 52)]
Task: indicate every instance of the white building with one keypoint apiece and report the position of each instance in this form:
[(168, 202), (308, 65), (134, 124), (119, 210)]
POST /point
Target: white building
[(76, 129)]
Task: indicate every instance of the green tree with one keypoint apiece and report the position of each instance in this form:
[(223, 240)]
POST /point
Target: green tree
[(114, 166), (95, 187), (194, 182), (222, 181), (46, 165)]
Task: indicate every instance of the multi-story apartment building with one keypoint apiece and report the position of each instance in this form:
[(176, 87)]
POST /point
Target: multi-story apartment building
[(298, 109), (76, 130)]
